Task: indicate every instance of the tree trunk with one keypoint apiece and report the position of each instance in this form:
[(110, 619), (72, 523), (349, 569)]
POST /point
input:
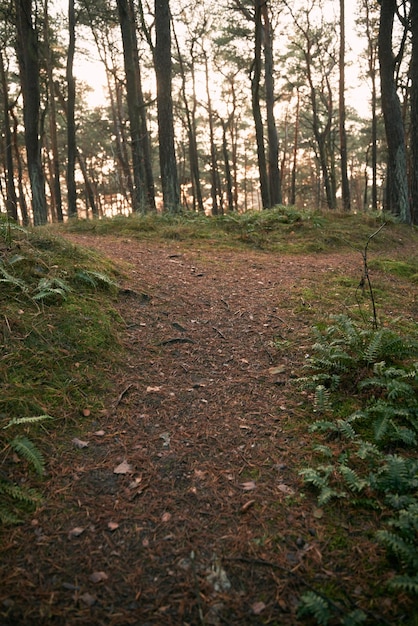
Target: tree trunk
[(18, 159), (11, 197), (414, 112), (397, 182), (144, 192), (191, 134), (213, 159), (28, 56), (163, 71), (79, 157), (228, 175), (71, 136), (273, 140), (255, 100), (345, 187), (56, 195), (295, 153)]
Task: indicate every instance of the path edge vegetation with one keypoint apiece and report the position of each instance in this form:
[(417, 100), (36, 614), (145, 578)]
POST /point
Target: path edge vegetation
[(365, 452)]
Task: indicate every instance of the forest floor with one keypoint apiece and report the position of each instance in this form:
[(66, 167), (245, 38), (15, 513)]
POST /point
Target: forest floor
[(186, 507)]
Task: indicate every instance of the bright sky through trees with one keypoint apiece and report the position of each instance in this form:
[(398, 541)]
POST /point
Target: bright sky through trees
[(90, 70)]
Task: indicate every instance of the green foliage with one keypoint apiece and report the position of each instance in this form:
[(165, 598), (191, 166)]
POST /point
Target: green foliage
[(280, 229), (28, 450), (313, 604), (323, 610), (54, 331), (14, 497), (402, 542), (377, 441)]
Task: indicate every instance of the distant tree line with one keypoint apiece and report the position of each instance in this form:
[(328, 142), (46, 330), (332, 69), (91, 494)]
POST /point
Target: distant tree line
[(210, 107)]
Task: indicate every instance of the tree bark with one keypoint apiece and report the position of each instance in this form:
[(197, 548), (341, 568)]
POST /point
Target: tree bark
[(213, 159), (255, 100), (11, 197), (345, 187), (56, 195), (191, 132), (273, 139), (71, 132), (163, 71), (397, 181), (28, 56), (414, 112), (144, 194)]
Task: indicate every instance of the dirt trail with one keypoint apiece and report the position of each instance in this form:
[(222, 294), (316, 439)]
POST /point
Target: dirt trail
[(203, 523)]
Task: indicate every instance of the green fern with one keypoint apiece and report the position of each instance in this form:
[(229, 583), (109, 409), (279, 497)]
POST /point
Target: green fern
[(28, 450), (8, 279), (17, 493), (322, 399), (352, 479), (17, 421), (311, 604), (408, 584), (375, 369), (11, 501), (95, 279), (51, 288)]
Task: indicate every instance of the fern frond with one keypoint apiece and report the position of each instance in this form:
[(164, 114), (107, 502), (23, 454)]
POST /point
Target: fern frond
[(8, 518), (352, 479), (405, 583), (324, 450), (27, 449), (344, 428), (313, 604), (374, 348), (27, 420), (368, 450), (17, 493), (51, 287), (404, 549), (322, 399), (9, 279), (381, 427), (94, 278), (327, 494), (354, 618)]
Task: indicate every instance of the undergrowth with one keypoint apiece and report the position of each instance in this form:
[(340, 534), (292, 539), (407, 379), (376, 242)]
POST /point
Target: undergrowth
[(57, 323), (280, 229), (367, 452)]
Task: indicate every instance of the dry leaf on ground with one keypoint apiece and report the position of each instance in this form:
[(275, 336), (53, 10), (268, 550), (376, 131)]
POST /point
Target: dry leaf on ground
[(123, 468)]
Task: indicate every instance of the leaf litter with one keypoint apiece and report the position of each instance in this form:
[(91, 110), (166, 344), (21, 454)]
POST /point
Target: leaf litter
[(225, 489)]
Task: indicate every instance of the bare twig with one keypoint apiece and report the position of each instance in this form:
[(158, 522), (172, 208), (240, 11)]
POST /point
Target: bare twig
[(365, 279)]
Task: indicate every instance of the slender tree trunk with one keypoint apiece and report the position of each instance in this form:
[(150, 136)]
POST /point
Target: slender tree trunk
[(295, 153), (414, 111), (191, 135), (79, 157), (255, 99), (121, 151), (228, 175), (11, 197), (127, 26), (56, 186), (345, 187), (21, 197), (163, 71), (372, 60), (71, 132), (213, 159), (397, 182), (273, 139), (28, 55)]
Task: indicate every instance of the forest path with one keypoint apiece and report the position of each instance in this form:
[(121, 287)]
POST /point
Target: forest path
[(202, 522)]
